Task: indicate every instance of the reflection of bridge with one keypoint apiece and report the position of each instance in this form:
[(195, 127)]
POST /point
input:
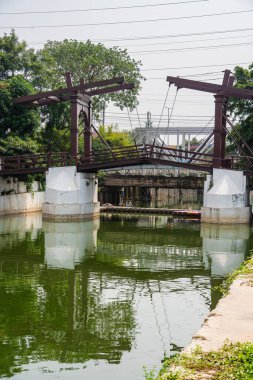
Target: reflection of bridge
[(126, 250)]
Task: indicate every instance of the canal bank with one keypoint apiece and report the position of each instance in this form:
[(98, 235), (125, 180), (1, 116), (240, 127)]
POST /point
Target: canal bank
[(223, 347)]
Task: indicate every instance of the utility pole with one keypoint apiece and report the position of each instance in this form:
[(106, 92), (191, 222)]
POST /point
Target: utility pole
[(103, 114), (168, 125)]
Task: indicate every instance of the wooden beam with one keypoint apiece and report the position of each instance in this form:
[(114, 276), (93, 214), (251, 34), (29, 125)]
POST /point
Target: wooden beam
[(63, 91), (210, 87), (107, 90)]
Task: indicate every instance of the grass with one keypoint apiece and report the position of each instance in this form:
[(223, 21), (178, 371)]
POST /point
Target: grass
[(245, 270), (231, 362), (149, 374)]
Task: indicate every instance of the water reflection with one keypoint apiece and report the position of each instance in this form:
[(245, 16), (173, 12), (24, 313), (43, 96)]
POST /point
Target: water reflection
[(104, 298), (224, 247), (67, 244)]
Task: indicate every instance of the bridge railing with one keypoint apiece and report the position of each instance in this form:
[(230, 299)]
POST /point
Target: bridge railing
[(33, 163), (145, 151), (168, 153), (39, 163), (106, 155), (241, 162), (130, 154)]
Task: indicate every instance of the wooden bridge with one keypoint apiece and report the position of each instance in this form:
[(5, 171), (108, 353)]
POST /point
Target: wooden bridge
[(147, 155), (137, 155)]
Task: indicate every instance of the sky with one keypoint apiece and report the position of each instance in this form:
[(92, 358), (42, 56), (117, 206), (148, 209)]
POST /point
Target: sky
[(195, 39)]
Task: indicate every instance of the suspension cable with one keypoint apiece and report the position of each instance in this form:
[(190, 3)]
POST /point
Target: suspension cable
[(52, 140), (165, 101), (131, 125), (238, 134), (238, 146), (138, 116), (202, 141), (169, 118)]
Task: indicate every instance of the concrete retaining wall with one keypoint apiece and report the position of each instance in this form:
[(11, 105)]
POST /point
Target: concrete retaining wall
[(14, 198), (21, 203)]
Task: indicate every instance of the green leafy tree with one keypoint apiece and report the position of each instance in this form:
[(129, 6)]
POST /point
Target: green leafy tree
[(15, 119), (24, 71), (92, 62), (242, 109), (15, 57), (19, 126), (113, 137), (84, 60), (14, 145)]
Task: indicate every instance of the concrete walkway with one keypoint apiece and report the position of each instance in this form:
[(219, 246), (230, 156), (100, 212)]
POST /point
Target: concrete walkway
[(232, 319)]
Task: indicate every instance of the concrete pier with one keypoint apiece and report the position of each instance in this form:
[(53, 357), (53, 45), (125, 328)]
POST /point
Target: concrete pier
[(226, 198), (70, 195)]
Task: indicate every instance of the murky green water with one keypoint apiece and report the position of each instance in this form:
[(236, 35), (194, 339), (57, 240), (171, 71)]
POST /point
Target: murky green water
[(101, 299)]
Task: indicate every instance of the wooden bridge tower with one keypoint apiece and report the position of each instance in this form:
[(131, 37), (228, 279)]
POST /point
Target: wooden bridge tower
[(70, 194)]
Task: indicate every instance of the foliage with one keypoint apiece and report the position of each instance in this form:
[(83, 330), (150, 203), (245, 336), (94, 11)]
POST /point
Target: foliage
[(149, 374), (113, 137), (14, 145), (24, 71), (56, 134), (31, 178), (232, 361), (242, 109), (90, 61), (15, 57), (245, 269), (16, 119)]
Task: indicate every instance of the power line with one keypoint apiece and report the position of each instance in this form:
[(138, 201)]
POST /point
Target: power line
[(199, 66), (144, 114), (163, 78), (214, 73), (128, 22), (158, 36), (174, 35), (102, 9), (189, 41), (190, 48)]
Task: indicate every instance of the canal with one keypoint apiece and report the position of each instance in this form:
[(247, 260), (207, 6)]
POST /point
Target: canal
[(100, 299)]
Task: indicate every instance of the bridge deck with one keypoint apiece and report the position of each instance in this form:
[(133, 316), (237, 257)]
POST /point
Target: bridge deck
[(110, 159)]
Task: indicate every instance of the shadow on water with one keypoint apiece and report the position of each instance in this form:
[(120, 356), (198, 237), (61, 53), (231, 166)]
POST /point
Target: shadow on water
[(104, 297)]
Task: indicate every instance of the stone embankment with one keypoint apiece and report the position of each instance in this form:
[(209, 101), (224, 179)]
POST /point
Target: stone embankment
[(231, 320)]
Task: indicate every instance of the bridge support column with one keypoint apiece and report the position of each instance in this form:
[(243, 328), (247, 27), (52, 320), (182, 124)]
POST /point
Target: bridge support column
[(226, 198), (70, 195)]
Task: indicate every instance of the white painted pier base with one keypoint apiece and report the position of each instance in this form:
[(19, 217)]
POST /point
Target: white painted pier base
[(226, 198), (70, 195)]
